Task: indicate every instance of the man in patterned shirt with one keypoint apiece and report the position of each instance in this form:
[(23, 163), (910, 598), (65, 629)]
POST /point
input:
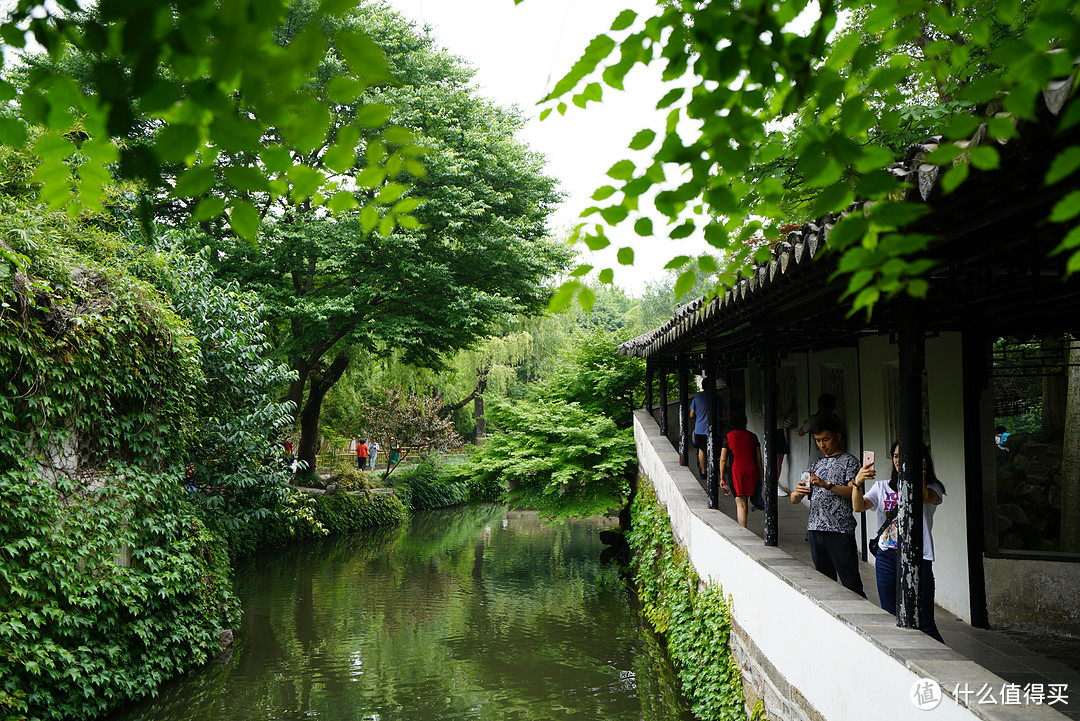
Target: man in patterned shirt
[(831, 526)]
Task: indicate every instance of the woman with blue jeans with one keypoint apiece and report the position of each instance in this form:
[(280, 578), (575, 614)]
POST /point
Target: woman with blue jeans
[(883, 497)]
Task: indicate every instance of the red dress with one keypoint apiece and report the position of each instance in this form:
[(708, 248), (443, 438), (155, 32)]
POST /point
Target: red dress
[(742, 447)]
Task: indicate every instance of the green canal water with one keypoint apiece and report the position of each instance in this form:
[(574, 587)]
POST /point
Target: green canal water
[(471, 613)]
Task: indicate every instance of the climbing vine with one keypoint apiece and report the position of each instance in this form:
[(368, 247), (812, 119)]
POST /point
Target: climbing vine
[(110, 583), (695, 619)]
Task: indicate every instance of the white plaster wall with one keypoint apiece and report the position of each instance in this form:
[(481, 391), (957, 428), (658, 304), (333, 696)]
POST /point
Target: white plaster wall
[(945, 382), (821, 655), (945, 388)]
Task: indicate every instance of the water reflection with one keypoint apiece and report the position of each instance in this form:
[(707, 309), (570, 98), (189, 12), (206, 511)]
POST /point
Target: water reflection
[(473, 613)]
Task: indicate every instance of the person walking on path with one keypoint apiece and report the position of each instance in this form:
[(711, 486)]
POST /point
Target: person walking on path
[(830, 529), (373, 448), (362, 454), (744, 450), (883, 498)]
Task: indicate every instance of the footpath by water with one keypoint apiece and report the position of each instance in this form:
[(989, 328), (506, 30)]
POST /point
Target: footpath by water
[(469, 613)]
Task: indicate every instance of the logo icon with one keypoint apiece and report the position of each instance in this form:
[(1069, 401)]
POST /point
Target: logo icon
[(925, 694)]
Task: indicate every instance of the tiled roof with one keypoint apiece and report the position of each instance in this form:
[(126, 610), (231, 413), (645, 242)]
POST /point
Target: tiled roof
[(801, 249)]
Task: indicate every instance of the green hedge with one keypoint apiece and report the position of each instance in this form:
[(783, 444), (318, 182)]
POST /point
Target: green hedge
[(336, 514), (695, 619)]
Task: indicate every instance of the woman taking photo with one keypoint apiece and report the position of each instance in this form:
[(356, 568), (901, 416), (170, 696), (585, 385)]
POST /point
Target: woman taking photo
[(883, 497)]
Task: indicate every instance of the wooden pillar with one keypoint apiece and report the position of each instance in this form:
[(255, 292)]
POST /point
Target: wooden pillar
[(685, 430), (663, 402), (912, 346), (976, 362), (650, 369), (712, 461), (768, 450)]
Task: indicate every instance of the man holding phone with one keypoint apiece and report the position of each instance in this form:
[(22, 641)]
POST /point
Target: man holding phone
[(831, 525)]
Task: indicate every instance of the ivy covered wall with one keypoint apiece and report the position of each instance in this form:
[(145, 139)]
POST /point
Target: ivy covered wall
[(110, 581)]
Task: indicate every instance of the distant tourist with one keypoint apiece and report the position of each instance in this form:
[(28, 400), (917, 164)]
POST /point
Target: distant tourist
[(744, 450), (395, 452), (831, 526), (373, 449), (362, 454), (1001, 438), (883, 497), (699, 407)]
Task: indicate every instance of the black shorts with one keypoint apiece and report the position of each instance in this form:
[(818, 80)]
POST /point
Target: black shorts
[(701, 442)]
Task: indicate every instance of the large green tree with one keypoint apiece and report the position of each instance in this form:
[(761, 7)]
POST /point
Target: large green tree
[(473, 249)]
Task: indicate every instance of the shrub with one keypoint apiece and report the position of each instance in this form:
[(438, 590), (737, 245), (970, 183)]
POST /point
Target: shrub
[(429, 484)]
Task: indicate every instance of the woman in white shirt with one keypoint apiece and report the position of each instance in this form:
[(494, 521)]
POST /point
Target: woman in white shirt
[(883, 497)]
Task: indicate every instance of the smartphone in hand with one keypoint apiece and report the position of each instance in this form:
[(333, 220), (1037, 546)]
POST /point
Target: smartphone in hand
[(867, 457)]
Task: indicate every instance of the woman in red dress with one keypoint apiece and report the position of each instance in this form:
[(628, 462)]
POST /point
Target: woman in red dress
[(744, 450)]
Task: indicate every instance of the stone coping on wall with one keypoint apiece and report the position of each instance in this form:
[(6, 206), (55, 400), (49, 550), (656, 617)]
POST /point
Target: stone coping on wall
[(830, 653)]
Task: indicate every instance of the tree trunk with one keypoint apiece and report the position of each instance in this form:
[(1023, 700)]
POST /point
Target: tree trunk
[(1055, 389), (321, 383), (1070, 459), (478, 411)]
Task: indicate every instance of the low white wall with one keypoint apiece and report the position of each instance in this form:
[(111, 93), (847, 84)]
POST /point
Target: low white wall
[(802, 622)]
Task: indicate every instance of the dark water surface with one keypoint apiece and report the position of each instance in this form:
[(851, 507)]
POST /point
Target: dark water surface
[(472, 613)]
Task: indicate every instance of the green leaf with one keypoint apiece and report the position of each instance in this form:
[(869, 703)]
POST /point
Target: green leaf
[(684, 230), (624, 20), (849, 231), (677, 262), (1070, 242), (1067, 208), (561, 300), (607, 276), (369, 218), (246, 179), (13, 132), (832, 200), (390, 193), (622, 170), (208, 208), (341, 201), (954, 177), (603, 192), (985, 157), (374, 115), (707, 264), (582, 269), (586, 297), (643, 139), (670, 98), (276, 158), (596, 242), (1064, 164), (625, 256), (363, 54), (685, 283), (306, 181), (194, 181), (244, 220), (643, 227)]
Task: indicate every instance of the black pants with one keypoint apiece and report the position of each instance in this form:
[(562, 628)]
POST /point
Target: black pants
[(835, 555)]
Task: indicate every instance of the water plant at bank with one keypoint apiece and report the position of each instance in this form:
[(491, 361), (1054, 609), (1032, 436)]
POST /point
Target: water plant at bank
[(695, 618)]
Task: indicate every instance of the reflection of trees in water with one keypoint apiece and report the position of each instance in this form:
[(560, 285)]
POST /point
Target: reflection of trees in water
[(453, 614)]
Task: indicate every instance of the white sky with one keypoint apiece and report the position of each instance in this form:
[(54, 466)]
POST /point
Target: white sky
[(520, 52)]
